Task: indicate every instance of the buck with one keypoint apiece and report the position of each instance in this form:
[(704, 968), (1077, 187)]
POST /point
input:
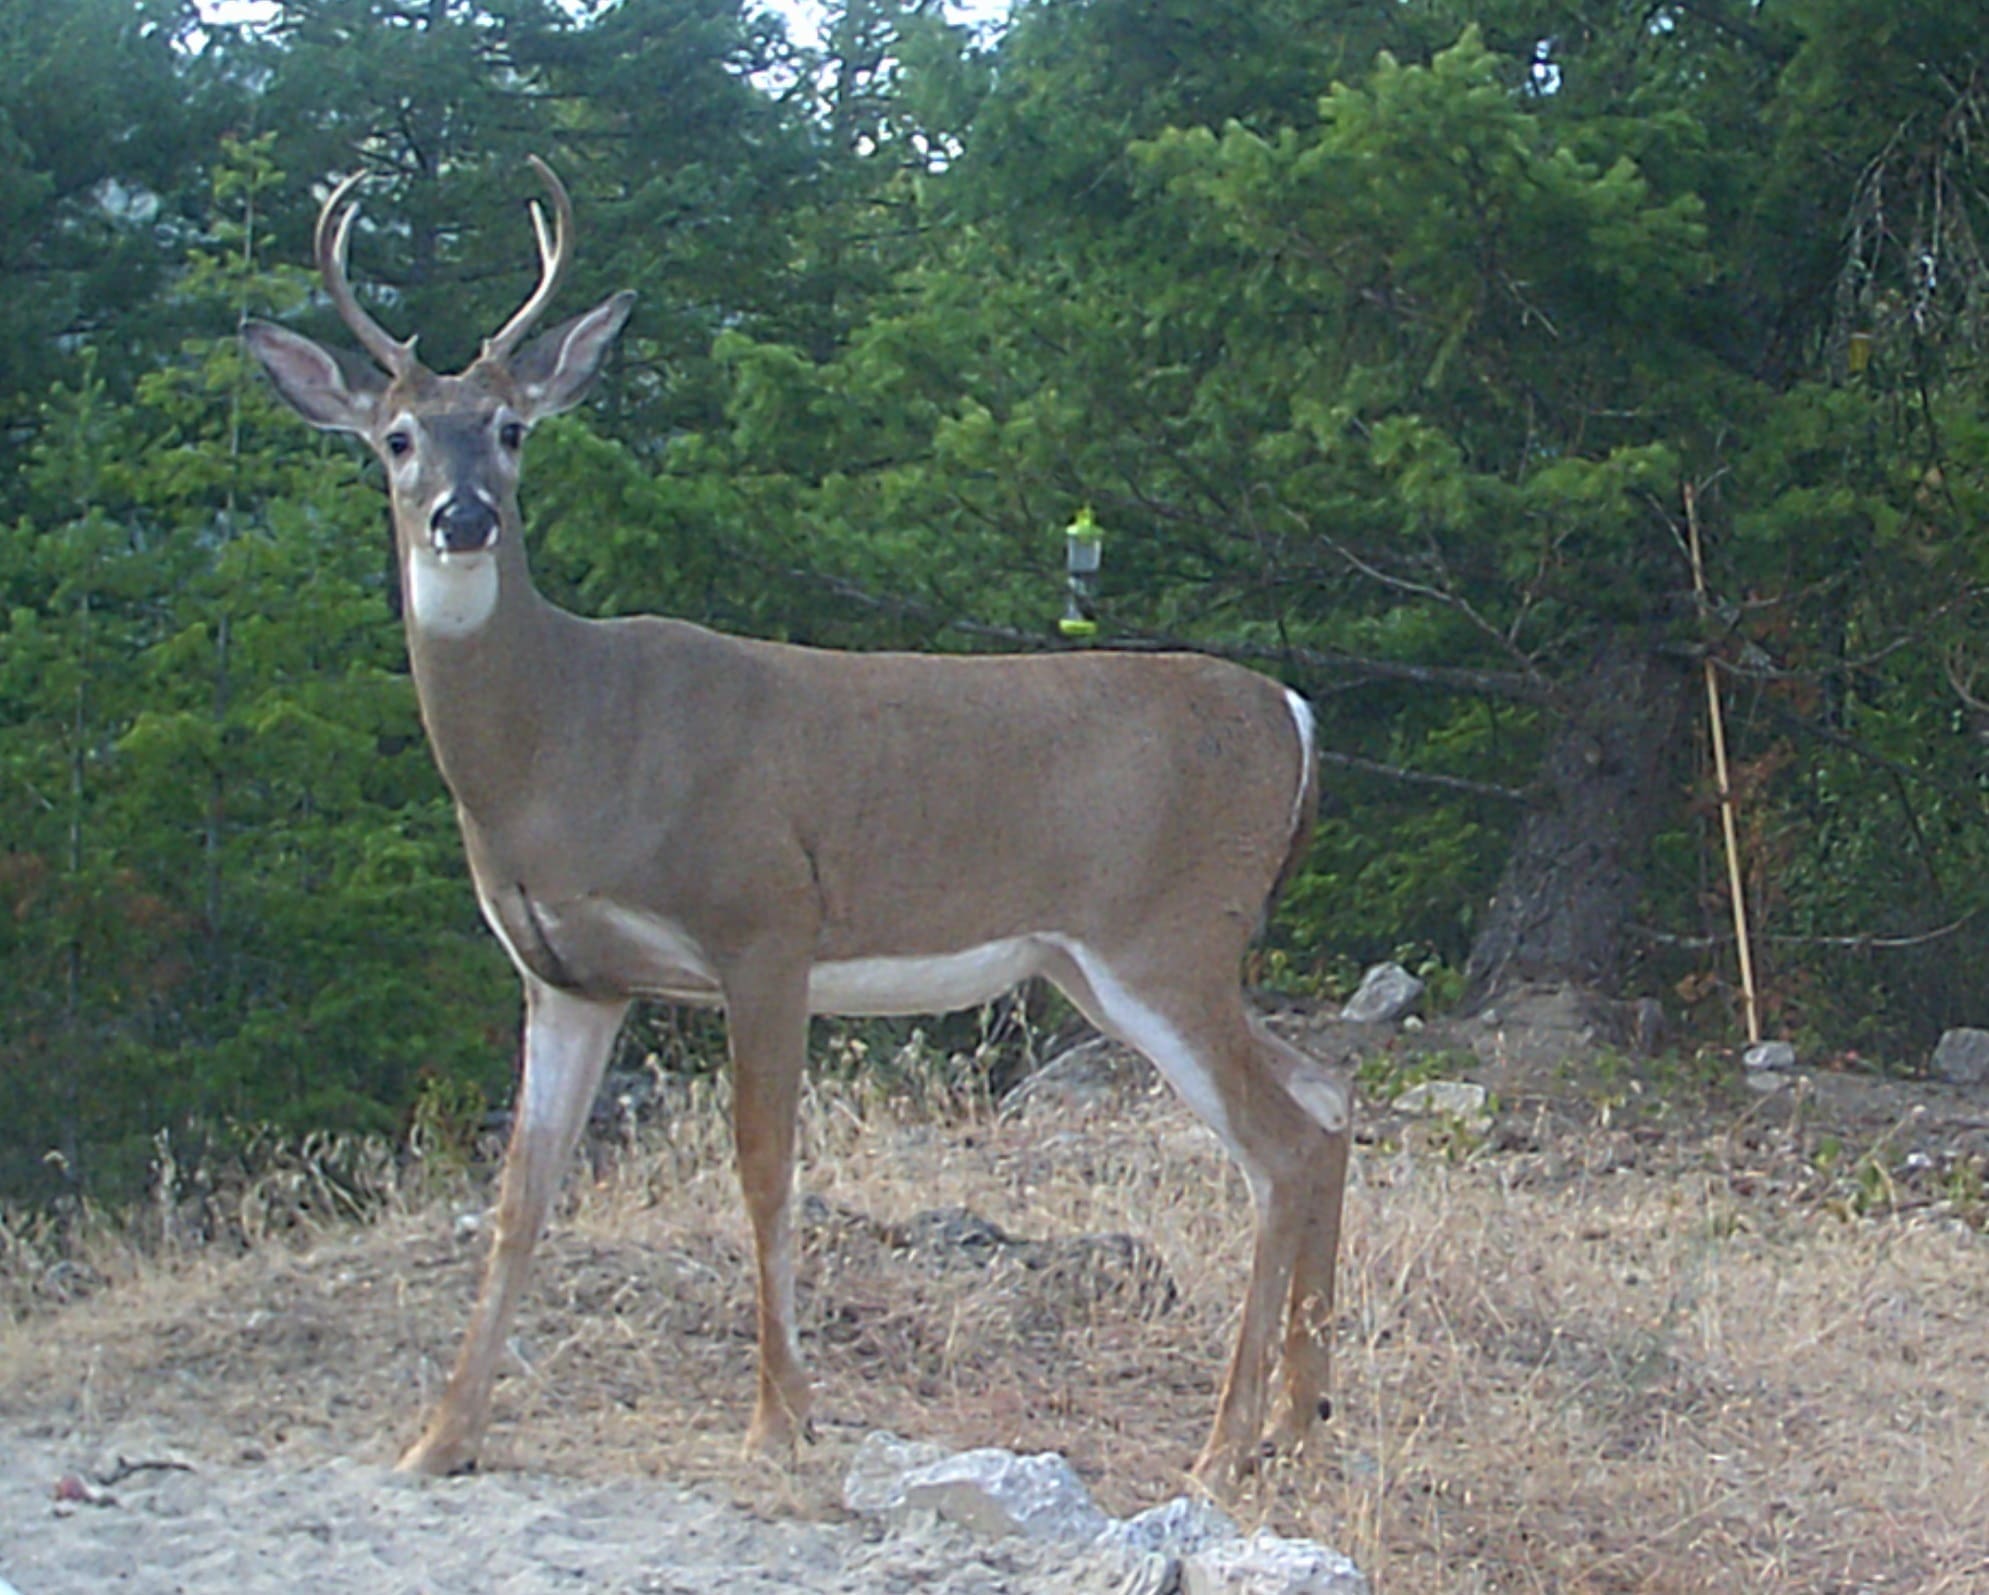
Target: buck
[(652, 809)]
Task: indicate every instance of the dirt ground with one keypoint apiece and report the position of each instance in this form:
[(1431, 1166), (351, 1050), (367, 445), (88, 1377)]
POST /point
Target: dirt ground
[(1643, 1327)]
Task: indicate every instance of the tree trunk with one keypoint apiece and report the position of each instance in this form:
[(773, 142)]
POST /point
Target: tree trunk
[(1576, 868)]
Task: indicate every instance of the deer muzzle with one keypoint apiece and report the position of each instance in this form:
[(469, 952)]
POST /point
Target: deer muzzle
[(463, 525)]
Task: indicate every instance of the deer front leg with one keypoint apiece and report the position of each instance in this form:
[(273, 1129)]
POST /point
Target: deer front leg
[(567, 1043), (767, 1022)]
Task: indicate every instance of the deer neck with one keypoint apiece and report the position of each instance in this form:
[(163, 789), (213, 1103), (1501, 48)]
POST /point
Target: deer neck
[(485, 651)]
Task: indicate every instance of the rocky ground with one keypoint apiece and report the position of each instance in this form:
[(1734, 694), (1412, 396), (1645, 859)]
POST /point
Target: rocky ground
[(170, 1522), (1625, 1324)]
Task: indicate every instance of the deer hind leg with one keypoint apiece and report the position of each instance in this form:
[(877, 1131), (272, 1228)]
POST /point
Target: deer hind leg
[(1284, 1120), (1308, 1355), (767, 1023), (567, 1043)]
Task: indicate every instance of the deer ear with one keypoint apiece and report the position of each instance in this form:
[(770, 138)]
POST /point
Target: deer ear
[(556, 368), (339, 395)]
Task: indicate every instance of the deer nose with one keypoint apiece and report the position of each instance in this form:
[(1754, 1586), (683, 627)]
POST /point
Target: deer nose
[(463, 525)]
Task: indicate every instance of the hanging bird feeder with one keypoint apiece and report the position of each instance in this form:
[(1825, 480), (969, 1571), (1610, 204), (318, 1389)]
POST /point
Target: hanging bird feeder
[(1083, 544)]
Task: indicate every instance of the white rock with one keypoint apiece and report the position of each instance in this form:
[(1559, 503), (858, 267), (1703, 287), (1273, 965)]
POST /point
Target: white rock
[(1962, 1057), (1083, 1078), (1460, 1099), (1265, 1564), (1387, 992), (1769, 1055), (1142, 1573), (1174, 1528), (875, 1483), (996, 1492)]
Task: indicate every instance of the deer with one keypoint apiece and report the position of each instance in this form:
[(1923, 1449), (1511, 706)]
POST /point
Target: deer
[(654, 810)]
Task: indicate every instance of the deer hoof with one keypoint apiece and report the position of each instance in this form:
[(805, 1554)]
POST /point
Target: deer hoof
[(437, 1459), (1222, 1469), (778, 1434)]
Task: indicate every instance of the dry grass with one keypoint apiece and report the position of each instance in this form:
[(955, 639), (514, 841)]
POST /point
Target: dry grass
[(1605, 1361)]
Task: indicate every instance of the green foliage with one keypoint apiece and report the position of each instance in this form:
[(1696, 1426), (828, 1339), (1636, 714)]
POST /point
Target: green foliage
[(446, 1122), (1384, 1076), (232, 895), (1382, 339), (104, 125)]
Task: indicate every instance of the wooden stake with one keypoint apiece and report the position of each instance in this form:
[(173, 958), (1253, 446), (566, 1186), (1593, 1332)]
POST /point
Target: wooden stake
[(1728, 824)]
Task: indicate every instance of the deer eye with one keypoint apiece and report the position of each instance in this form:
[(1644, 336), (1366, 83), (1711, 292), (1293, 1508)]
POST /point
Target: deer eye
[(512, 435), (399, 444)]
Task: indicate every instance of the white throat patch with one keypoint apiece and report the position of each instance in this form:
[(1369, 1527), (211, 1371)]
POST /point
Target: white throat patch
[(450, 595)]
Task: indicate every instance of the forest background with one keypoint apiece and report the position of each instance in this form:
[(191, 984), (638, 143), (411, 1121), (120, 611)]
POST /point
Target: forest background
[(1386, 338)]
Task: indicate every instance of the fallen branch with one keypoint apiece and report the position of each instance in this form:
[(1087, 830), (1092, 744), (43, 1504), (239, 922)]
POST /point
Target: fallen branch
[(1448, 783), (125, 1468), (1858, 941)]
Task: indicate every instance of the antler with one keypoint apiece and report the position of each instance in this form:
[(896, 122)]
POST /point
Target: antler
[(334, 236), (555, 251)]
